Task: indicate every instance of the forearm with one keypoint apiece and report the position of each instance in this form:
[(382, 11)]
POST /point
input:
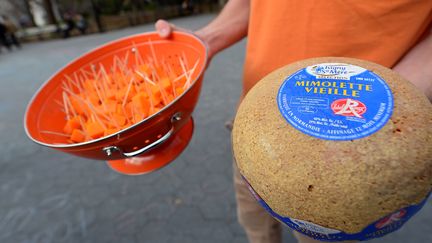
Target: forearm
[(229, 26), (416, 66)]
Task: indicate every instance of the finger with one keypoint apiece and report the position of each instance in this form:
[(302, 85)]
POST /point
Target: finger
[(164, 28)]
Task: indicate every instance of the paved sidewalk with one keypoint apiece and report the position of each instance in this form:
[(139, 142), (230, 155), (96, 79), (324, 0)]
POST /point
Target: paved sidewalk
[(48, 196)]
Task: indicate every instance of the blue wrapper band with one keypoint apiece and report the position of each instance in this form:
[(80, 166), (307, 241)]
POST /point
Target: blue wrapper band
[(379, 228)]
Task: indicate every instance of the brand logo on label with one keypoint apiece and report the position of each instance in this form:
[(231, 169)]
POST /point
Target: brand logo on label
[(329, 70), (391, 219), (348, 107), (334, 70)]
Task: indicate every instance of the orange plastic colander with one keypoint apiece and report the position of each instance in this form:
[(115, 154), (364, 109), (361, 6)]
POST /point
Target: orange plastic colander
[(140, 148)]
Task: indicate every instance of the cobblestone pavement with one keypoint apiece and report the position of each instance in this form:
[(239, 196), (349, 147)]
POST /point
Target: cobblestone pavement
[(47, 196)]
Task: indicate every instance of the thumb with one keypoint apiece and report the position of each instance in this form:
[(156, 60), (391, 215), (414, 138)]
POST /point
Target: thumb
[(164, 28)]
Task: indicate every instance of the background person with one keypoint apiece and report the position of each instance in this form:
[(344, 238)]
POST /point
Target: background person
[(70, 24), (3, 40), (11, 29), (81, 23)]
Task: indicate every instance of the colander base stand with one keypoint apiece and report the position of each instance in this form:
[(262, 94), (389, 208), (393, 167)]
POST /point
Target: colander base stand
[(158, 157)]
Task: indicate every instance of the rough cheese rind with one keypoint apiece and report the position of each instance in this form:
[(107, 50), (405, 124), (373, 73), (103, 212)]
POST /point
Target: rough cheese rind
[(343, 185)]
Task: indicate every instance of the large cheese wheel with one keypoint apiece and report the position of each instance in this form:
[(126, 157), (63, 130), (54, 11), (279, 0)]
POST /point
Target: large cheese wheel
[(343, 185)]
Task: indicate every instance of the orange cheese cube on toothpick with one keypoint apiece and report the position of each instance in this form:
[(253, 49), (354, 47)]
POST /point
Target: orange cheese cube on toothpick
[(166, 85), (119, 119), (110, 131), (77, 136), (142, 104), (94, 129), (71, 124)]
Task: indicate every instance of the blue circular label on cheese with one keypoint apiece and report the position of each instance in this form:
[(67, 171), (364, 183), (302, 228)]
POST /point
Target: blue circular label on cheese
[(335, 101)]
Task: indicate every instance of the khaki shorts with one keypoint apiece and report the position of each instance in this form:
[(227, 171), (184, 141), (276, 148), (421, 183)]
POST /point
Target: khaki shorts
[(259, 225)]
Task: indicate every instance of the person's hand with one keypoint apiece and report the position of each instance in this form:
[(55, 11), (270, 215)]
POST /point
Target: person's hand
[(415, 66), (229, 27), (165, 29)]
